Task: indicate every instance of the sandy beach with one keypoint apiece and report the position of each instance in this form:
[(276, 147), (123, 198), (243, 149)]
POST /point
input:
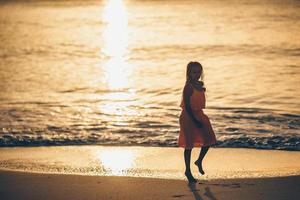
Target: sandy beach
[(19, 185), (145, 173)]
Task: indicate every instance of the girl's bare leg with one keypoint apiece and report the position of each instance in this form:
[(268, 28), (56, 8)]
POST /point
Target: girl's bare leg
[(187, 160), (198, 162)]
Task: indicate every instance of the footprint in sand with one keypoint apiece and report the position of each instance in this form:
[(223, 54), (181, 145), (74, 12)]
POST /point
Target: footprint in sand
[(178, 195)]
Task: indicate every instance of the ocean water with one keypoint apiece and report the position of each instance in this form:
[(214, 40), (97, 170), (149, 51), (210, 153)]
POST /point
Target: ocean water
[(112, 72)]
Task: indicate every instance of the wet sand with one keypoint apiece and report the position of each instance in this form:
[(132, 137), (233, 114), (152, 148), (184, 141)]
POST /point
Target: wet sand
[(34, 186), (153, 162)]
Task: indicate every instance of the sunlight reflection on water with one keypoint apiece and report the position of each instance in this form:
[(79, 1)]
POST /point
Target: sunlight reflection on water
[(119, 105), (115, 37)]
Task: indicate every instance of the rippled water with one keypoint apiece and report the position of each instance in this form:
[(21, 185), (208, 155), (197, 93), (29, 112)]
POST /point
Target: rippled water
[(112, 72)]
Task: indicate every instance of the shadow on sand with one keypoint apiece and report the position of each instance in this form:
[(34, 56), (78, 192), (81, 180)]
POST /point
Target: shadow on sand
[(195, 189)]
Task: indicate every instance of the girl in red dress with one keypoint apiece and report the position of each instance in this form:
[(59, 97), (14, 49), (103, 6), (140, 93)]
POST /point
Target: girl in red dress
[(195, 127)]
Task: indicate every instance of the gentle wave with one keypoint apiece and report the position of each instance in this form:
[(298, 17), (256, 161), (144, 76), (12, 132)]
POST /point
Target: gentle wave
[(234, 127), (275, 142), (215, 50), (157, 52)]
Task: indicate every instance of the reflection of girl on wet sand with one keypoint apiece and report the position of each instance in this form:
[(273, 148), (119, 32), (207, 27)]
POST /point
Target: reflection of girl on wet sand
[(195, 127)]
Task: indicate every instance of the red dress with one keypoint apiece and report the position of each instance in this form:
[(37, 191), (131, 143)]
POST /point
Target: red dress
[(190, 135)]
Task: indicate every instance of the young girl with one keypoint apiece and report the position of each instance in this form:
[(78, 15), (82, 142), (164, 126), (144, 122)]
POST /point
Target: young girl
[(195, 127)]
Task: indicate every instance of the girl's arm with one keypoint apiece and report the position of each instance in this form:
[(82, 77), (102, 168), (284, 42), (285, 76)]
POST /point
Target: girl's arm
[(187, 93)]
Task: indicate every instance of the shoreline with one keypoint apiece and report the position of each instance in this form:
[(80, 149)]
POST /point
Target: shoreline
[(35, 186), (158, 162)]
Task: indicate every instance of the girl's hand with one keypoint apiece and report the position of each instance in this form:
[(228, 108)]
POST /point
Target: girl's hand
[(202, 85)]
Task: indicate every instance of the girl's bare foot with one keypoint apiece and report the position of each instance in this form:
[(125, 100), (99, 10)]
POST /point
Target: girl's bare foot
[(199, 165), (190, 177)]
